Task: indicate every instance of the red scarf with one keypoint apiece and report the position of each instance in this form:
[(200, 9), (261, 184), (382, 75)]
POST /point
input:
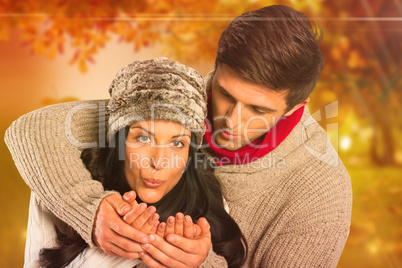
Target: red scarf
[(257, 148)]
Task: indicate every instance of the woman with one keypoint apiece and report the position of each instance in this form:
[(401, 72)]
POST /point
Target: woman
[(155, 125)]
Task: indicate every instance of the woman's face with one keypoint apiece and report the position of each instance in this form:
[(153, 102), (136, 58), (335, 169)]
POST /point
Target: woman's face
[(156, 156)]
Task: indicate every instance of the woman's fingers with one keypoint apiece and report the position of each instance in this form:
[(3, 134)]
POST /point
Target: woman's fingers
[(169, 226), (153, 230), (204, 239), (134, 213), (179, 249), (150, 223), (180, 225), (188, 229), (205, 227), (178, 229), (140, 216), (142, 219), (197, 230), (161, 229)]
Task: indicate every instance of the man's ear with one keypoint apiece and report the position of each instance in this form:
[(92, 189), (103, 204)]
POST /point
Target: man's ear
[(297, 106)]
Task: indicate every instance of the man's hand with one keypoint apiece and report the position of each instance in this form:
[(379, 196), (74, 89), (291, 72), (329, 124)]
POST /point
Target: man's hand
[(179, 251), (113, 235)]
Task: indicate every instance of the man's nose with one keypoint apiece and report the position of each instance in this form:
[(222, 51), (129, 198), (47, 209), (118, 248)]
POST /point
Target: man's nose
[(233, 116)]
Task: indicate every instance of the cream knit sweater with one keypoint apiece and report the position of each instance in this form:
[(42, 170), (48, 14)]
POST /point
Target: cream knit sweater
[(293, 205), (42, 234)]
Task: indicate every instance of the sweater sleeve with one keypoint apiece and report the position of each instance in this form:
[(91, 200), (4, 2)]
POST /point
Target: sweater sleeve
[(45, 146), (316, 233)]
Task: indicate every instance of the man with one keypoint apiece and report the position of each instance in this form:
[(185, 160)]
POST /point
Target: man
[(284, 183)]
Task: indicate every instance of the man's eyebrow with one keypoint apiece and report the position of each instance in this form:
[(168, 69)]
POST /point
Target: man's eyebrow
[(150, 133), (262, 108)]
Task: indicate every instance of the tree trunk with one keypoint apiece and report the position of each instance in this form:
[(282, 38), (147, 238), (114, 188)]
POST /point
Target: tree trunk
[(382, 147)]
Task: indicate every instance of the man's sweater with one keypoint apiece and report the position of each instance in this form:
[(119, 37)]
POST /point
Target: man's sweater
[(293, 205)]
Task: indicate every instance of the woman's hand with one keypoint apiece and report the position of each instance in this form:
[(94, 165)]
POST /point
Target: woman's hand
[(142, 218), (177, 250), (180, 225)]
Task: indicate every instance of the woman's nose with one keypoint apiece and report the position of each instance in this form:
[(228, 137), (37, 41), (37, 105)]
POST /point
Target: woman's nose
[(155, 164), (158, 159)]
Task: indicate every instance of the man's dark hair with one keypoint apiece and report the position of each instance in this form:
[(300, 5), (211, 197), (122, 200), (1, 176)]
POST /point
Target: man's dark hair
[(277, 47)]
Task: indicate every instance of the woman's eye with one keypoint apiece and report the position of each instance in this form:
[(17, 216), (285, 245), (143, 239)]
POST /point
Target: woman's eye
[(143, 139), (177, 144)]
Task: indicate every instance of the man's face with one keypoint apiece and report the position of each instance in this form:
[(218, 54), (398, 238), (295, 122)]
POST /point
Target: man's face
[(242, 111)]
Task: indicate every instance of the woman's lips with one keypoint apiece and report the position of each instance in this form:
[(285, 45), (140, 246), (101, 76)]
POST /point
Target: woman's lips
[(152, 183)]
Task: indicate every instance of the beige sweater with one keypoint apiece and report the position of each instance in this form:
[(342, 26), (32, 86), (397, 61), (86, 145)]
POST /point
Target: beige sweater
[(293, 205)]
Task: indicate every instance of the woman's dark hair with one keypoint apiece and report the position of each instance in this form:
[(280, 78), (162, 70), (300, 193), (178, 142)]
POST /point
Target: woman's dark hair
[(205, 200)]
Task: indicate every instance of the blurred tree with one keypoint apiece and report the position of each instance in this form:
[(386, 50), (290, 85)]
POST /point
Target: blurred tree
[(363, 66), (188, 29)]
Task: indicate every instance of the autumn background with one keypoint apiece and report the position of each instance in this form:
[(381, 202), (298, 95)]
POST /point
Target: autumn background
[(55, 51)]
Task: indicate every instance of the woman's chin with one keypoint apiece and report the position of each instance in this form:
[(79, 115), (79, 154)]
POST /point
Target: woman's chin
[(149, 199)]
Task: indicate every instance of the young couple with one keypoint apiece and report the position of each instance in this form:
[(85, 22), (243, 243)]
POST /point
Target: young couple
[(290, 212)]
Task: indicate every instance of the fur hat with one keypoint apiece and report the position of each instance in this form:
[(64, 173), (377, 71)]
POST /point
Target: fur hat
[(158, 89)]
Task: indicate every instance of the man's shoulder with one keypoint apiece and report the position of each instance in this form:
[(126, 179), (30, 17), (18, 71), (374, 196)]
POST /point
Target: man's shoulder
[(308, 143), (313, 165)]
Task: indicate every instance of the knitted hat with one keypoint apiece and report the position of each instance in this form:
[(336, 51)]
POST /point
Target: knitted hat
[(158, 89)]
